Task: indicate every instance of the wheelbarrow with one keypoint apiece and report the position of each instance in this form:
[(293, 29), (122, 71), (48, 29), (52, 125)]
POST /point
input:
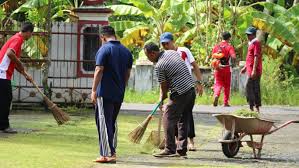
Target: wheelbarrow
[(236, 128)]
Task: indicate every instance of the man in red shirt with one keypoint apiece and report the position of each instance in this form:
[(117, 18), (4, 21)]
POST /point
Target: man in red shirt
[(223, 73), (253, 68), (9, 60)]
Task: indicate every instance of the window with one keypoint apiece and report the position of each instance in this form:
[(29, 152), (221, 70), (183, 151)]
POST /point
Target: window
[(91, 45)]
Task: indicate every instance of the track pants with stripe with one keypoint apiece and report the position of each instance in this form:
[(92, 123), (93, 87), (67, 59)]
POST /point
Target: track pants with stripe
[(106, 113)]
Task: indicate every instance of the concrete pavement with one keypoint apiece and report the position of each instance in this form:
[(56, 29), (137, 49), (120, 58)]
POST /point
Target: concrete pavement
[(209, 109)]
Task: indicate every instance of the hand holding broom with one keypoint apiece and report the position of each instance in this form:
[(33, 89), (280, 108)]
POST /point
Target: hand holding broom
[(136, 135), (60, 116)]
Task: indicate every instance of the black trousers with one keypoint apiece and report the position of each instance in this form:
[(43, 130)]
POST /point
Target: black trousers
[(177, 115), (5, 101), (191, 129), (253, 92)]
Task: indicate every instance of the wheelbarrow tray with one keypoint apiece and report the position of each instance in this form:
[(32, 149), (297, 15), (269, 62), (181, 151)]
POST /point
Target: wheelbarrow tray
[(238, 127), (247, 125)]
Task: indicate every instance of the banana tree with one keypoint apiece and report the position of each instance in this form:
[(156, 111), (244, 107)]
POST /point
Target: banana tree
[(171, 16), (283, 29)]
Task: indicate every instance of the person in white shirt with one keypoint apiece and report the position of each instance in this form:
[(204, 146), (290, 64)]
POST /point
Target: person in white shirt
[(166, 39)]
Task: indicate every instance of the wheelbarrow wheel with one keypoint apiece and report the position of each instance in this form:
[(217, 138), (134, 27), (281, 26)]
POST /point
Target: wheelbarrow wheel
[(230, 149)]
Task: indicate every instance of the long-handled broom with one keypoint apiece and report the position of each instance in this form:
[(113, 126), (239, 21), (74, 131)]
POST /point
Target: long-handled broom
[(136, 135), (60, 116), (156, 137)]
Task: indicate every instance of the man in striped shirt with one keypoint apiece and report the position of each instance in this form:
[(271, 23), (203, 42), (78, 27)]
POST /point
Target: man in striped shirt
[(173, 75), (167, 41)]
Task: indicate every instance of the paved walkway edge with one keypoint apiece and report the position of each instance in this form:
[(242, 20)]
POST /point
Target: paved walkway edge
[(209, 109)]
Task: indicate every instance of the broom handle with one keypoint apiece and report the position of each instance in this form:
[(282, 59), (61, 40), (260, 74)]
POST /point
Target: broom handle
[(155, 110), (159, 127), (35, 85)]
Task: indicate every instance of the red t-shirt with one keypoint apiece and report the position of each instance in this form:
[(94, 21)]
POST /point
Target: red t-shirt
[(254, 50), (227, 49), (6, 65)]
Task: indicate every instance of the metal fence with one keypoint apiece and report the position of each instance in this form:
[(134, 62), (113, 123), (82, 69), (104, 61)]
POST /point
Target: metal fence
[(60, 59)]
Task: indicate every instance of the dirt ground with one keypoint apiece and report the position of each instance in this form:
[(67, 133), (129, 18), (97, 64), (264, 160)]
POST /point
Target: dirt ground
[(281, 149)]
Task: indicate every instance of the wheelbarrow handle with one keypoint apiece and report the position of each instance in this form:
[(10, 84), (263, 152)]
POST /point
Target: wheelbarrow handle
[(283, 125)]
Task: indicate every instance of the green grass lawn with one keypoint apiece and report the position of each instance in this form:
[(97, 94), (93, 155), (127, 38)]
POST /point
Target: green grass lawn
[(205, 99), (71, 145), (74, 145)]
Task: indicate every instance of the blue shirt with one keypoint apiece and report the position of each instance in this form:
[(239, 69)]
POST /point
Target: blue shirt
[(116, 60)]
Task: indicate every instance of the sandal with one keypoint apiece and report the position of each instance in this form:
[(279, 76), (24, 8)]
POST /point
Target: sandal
[(192, 148), (103, 159)]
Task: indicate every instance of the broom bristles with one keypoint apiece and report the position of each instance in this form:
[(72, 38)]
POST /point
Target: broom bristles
[(155, 139), (136, 135), (60, 116)]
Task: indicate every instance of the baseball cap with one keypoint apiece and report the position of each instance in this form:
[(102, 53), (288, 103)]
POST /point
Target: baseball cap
[(250, 30), (166, 37)]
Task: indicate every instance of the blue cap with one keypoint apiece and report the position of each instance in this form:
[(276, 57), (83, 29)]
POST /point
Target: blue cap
[(166, 37), (251, 30)]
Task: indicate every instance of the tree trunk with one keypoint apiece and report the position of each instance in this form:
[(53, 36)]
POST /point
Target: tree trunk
[(45, 69), (208, 22), (220, 19)]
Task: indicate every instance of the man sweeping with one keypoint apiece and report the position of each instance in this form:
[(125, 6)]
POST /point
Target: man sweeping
[(173, 75), (166, 39), (112, 72), (9, 60), (223, 74), (253, 68)]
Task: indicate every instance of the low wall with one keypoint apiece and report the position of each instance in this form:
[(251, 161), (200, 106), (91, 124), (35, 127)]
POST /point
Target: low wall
[(143, 78)]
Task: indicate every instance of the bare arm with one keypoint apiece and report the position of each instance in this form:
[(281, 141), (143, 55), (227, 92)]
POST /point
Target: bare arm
[(198, 75), (196, 70), (127, 76), (253, 74), (96, 80), (163, 92), (19, 66), (12, 56)]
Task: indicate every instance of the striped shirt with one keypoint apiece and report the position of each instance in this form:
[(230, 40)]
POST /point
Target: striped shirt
[(172, 69)]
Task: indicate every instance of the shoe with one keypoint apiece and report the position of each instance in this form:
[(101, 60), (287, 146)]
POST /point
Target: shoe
[(10, 131), (104, 159), (257, 109), (191, 147), (165, 154), (215, 103), (112, 159), (226, 105), (182, 154)]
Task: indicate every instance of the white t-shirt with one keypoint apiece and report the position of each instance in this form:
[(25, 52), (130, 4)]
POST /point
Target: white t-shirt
[(187, 57)]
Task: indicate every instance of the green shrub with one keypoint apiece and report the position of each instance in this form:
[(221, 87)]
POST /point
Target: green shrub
[(278, 83)]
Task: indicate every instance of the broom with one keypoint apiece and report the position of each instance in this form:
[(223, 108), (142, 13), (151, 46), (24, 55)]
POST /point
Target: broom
[(155, 137), (136, 135), (60, 116)]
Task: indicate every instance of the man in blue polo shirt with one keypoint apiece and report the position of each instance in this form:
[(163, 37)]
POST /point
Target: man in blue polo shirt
[(112, 72)]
